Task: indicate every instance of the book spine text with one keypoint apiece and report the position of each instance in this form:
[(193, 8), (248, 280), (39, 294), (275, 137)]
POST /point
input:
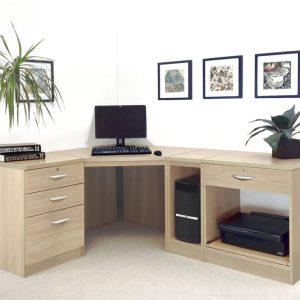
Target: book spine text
[(22, 156), (20, 149)]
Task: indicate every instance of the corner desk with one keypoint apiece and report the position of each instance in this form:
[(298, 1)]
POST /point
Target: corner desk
[(46, 205)]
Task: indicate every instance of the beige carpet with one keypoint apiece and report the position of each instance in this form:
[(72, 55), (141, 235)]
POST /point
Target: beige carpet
[(127, 261)]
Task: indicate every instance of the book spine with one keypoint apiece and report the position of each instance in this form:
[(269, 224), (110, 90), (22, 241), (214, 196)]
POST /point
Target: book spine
[(20, 149), (22, 156)]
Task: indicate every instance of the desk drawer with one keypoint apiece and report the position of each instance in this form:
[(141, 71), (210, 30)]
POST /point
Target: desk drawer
[(55, 199), (54, 177), (265, 180), (53, 233)]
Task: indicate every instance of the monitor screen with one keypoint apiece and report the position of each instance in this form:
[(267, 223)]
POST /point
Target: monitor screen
[(125, 121)]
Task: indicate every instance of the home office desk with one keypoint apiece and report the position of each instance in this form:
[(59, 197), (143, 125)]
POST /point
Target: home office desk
[(43, 203)]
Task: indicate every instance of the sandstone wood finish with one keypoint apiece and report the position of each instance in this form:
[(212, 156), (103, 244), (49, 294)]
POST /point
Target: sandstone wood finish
[(44, 211)]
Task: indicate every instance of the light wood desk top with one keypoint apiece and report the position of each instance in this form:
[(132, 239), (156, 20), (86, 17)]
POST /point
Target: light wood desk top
[(52, 159), (84, 155), (126, 160), (197, 156), (172, 154), (254, 159), (166, 152)]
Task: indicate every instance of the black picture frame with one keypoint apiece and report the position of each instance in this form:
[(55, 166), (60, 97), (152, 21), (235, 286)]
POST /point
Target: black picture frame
[(223, 77), (175, 81), (47, 66), (277, 75)]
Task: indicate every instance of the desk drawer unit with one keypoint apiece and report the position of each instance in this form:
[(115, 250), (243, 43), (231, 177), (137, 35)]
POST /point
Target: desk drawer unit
[(265, 180), (53, 233), (53, 177), (55, 199), (54, 215)]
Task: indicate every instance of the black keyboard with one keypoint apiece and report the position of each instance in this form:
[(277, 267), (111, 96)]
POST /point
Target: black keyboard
[(120, 150)]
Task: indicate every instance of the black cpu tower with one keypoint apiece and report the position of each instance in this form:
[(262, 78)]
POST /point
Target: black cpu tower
[(187, 209)]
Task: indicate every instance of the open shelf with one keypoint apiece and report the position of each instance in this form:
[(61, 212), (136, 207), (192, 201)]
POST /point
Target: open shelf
[(219, 245), (220, 203), (193, 250)]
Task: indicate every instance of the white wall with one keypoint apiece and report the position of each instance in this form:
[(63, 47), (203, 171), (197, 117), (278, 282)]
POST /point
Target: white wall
[(170, 30), (106, 52), (81, 38)]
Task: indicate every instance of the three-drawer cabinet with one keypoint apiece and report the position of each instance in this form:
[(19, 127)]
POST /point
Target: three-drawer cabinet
[(43, 209)]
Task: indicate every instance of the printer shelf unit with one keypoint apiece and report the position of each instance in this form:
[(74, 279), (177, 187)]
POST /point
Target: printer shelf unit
[(221, 185)]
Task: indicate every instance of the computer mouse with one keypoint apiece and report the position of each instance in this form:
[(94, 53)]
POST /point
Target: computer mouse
[(157, 153)]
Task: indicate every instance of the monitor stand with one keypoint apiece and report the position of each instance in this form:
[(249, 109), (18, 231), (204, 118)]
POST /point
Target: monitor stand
[(120, 142)]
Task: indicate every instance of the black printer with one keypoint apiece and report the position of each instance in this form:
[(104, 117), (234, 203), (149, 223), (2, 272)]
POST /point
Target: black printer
[(257, 231)]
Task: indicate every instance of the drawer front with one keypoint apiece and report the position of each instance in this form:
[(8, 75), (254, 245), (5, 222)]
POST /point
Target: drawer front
[(55, 199), (54, 177), (53, 233), (264, 180)]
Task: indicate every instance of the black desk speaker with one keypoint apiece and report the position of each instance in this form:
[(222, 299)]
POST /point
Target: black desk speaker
[(187, 209)]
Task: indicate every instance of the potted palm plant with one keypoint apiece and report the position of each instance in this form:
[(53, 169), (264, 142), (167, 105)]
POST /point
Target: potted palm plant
[(283, 128), (23, 84)]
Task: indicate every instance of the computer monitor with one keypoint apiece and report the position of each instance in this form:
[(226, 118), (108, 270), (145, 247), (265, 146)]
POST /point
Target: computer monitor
[(120, 122)]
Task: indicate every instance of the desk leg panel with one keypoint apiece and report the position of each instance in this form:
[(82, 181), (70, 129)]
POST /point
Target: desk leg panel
[(100, 196), (295, 226), (12, 249), (143, 195)]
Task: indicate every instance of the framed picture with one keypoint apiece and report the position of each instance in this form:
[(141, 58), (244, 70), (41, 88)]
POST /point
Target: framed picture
[(175, 80), (277, 75), (223, 77), (43, 73)]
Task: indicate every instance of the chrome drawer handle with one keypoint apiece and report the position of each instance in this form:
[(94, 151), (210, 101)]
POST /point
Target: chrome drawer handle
[(61, 221), (57, 176), (57, 198), (243, 178)]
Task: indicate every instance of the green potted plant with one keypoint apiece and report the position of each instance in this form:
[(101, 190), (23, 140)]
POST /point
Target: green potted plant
[(20, 81), (283, 128)]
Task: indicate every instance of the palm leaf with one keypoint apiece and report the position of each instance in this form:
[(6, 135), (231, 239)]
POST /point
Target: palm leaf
[(38, 101), (295, 133), (267, 127), (273, 140), (281, 122), (4, 56), (23, 99), (35, 89), (294, 127), (19, 42), (290, 113), (294, 119), (10, 95), (254, 134), (286, 133), (5, 45), (266, 121), (19, 84), (26, 55)]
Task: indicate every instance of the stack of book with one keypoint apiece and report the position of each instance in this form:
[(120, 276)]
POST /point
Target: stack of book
[(18, 152)]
